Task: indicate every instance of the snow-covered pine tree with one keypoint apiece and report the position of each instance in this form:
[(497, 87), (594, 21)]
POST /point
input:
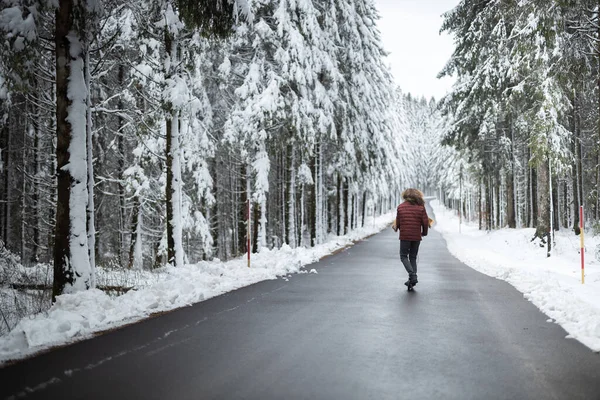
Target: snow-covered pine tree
[(363, 151), (26, 97), (517, 107)]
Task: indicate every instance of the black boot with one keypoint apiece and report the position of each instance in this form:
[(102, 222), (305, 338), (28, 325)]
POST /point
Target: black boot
[(413, 280)]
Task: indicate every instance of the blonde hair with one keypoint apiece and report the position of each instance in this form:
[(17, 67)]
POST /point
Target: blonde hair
[(413, 196)]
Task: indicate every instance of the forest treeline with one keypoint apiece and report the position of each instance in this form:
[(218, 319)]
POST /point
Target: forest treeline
[(136, 134), (140, 133), (525, 112)]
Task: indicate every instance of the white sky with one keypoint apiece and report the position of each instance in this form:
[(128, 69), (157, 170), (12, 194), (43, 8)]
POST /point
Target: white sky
[(410, 32)]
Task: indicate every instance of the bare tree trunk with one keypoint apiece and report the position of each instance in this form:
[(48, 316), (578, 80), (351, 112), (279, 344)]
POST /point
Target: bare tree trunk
[(543, 201), (320, 199), (91, 223), (497, 199), (121, 163), (302, 221), (175, 254), (72, 269), (261, 234), (510, 201), (533, 189), (510, 184), (232, 245), (597, 181), (135, 243), (35, 253), (576, 176), (352, 205), (598, 120), (24, 196), (346, 206), (555, 204), (312, 203), (582, 196), (242, 207), (480, 204), (173, 193), (291, 234), (283, 160), (340, 205), (255, 217), (566, 210), (364, 208), (6, 153), (489, 203)]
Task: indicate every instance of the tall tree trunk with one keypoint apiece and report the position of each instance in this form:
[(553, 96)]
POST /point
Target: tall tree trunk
[(496, 190), (533, 189), (479, 199), (7, 198), (340, 205), (582, 191), (555, 204), (173, 192), (312, 202), (23, 206), (72, 269), (261, 236), (242, 207), (209, 247), (135, 242), (598, 180), (291, 234), (91, 223), (364, 208), (282, 205), (255, 212), (121, 163), (319, 200), (577, 164), (510, 182), (543, 201), (302, 221), (104, 212), (598, 105), (175, 255), (236, 196), (565, 205), (353, 206), (489, 203), (550, 204), (37, 182), (510, 201), (346, 206)]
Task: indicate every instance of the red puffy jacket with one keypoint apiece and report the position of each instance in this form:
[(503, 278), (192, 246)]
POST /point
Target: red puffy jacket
[(412, 220)]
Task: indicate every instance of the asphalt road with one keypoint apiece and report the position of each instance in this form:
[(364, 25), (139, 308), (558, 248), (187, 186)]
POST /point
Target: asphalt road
[(352, 331)]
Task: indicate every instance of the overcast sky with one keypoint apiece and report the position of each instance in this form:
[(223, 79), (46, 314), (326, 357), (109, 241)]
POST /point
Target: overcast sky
[(410, 32)]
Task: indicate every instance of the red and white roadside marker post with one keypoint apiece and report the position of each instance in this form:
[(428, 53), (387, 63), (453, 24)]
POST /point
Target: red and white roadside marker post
[(581, 243)]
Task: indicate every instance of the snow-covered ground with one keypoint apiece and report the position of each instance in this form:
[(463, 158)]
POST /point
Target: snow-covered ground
[(553, 284), (78, 316)]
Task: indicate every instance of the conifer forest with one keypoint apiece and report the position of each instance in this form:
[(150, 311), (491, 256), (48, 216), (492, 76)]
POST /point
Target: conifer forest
[(135, 134)]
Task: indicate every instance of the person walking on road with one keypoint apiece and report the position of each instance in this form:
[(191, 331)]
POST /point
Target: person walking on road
[(413, 223)]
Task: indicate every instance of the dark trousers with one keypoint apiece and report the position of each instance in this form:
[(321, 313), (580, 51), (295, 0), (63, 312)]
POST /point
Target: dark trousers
[(408, 255)]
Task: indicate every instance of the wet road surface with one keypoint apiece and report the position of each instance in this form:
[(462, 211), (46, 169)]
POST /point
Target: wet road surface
[(352, 331)]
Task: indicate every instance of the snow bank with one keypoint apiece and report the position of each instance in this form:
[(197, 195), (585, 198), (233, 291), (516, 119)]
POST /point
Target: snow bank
[(552, 284), (79, 315)]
